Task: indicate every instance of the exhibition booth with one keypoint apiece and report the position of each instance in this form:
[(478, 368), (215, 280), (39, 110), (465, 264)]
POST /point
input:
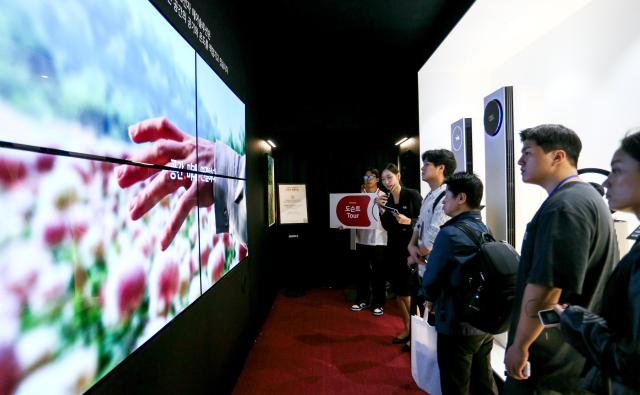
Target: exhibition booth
[(138, 196)]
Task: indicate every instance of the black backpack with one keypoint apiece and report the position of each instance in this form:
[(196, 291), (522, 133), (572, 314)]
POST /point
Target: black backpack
[(488, 282)]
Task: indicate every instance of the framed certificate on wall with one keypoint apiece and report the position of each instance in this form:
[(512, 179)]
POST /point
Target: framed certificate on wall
[(292, 203)]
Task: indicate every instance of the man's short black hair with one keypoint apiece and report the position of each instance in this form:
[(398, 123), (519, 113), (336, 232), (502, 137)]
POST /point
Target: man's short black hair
[(555, 137), (441, 157), (469, 184), (631, 144)]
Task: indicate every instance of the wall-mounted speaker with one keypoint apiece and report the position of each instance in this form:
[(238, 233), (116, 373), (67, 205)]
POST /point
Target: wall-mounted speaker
[(461, 144), (500, 164)]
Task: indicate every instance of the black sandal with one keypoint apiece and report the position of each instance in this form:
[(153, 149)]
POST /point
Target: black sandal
[(400, 340)]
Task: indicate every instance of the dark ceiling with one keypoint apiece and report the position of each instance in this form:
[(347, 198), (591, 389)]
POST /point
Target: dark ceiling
[(345, 67)]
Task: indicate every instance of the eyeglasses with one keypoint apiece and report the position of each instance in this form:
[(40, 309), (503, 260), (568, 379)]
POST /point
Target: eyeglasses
[(369, 178)]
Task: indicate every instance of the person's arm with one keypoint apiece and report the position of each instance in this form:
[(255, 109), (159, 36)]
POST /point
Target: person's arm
[(434, 275), (414, 202), (413, 248), (388, 220), (536, 297), (617, 357)]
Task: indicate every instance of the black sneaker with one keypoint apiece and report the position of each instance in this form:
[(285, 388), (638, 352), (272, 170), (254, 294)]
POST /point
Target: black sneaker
[(359, 306)]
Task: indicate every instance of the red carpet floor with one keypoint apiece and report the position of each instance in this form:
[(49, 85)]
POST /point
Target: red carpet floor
[(315, 345)]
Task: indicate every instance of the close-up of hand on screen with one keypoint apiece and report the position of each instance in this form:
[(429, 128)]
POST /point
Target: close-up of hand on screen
[(169, 143)]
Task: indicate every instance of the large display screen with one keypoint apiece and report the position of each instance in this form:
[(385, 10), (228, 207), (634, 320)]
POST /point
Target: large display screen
[(122, 186)]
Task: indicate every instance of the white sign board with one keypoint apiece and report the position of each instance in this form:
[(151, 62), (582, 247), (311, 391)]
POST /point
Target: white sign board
[(353, 210), (292, 199)]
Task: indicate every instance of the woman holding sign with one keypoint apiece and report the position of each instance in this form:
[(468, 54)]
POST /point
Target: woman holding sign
[(399, 211)]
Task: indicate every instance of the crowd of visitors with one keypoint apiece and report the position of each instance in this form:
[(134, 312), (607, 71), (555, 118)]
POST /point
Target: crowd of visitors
[(569, 263)]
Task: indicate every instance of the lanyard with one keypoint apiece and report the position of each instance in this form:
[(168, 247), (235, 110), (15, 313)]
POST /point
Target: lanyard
[(560, 184)]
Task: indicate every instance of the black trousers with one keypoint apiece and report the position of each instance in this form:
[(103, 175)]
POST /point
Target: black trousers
[(465, 365), (415, 288), (370, 270)]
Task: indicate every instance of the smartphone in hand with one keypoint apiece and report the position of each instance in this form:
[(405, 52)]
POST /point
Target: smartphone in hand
[(393, 210), (549, 318)]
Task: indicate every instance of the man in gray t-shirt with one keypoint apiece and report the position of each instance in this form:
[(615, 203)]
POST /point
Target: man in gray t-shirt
[(568, 252)]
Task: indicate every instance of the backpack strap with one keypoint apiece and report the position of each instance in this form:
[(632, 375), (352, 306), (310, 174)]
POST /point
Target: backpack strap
[(438, 199), (471, 234)]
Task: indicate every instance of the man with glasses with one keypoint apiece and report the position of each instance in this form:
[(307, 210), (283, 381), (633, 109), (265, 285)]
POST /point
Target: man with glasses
[(370, 250)]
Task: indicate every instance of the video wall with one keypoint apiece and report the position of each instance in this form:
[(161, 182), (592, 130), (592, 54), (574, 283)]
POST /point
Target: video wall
[(122, 186)]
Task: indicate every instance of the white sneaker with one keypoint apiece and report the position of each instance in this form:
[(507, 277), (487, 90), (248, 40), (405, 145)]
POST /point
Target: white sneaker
[(359, 307), (378, 311)]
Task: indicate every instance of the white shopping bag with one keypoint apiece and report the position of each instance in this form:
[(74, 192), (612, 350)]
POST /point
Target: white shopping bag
[(424, 356)]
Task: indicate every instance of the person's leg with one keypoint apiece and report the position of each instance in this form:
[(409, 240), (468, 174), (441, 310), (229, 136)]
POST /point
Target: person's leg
[(454, 362), (482, 381), (414, 285), (362, 277), (403, 336), (397, 276), (378, 277), (404, 305)]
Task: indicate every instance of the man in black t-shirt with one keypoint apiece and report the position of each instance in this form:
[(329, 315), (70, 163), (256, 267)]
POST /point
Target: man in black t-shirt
[(568, 252)]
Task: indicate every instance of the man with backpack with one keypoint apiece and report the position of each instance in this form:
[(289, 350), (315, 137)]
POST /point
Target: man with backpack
[(463, 350)]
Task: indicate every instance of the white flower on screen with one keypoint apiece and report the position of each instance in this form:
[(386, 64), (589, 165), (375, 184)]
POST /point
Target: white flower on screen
[(144, 242), (61, 189), (37, 346), (51, 286), (217, 261), (10, 308), (15, 203), (207, 281), (57, 193), (91, 246), (20, 265), (78, 220), (194, 289), (124, 288), (71, 373), (193, 232), (182, 252), (164, 283)]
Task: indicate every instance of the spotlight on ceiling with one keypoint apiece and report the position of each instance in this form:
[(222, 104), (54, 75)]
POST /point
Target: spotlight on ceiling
[(271, 143), (402, 140)]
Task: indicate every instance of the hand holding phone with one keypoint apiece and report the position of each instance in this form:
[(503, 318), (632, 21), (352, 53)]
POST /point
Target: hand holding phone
[(391, 209), (549, 318), (382, 199)]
